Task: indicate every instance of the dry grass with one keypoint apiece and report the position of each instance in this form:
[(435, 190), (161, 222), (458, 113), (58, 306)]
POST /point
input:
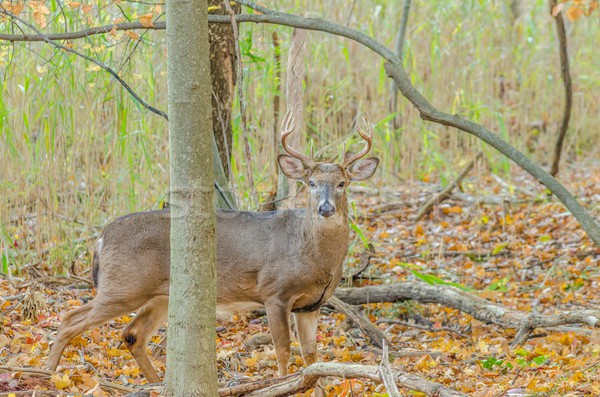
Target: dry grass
[(76, 151)]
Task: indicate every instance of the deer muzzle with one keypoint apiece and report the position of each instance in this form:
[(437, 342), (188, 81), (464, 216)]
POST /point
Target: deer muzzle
[(326, 209)]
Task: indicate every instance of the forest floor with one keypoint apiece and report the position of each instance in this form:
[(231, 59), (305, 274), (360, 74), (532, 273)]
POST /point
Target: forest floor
[(524, 252)]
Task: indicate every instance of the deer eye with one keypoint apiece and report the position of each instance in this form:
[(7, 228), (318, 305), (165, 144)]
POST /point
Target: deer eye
[(312, 184), (341, 185)]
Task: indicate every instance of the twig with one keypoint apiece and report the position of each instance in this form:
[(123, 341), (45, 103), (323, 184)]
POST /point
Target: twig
[(444, 194), (566, 77), (404, 353), (540, 263), (374, 333), (240, 88), (296, 72), (269, 204), (395, 122), (429, 328), (365, 260), (387, 376)]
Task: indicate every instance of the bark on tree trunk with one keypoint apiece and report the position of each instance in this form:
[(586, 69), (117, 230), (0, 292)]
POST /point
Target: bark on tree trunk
[(191, 357), (222, 72)]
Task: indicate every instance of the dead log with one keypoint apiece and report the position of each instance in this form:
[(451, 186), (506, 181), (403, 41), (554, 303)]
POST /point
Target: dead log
[(479, 308)]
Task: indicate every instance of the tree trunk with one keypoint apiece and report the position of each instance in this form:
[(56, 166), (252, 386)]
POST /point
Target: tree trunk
[(222, 72), (191, 350)]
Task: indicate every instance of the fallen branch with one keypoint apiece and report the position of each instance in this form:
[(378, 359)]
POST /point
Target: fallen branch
[(307, 378), (444, 194), (479, 308), (47, 374), (387, 375), (374, 333), (494, 200)]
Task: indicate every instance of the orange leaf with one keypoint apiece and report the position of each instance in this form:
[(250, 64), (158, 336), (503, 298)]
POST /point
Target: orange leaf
[(61, 382), (14, 9), (113, 31), (133, 35), (74, 4), (574, 13), (146, 21), (86, 8)]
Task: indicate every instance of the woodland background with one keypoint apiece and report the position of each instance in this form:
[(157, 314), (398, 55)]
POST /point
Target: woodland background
[(76, 151)]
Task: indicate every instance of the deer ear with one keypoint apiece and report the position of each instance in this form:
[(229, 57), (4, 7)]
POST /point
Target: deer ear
[(292, 167), (363, 169)]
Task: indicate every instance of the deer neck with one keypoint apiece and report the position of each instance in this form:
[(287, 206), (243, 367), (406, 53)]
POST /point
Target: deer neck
[(327, 238)]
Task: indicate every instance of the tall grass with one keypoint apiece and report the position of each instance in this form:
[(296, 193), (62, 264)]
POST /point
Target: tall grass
[(76, 150)]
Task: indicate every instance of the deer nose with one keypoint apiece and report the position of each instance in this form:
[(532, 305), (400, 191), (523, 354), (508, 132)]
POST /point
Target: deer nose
[(326, 209)]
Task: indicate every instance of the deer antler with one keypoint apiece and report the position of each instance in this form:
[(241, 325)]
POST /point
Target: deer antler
[(367, 135), (287, 127)]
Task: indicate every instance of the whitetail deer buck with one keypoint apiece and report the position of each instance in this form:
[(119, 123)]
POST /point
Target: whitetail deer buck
[(287, 261)]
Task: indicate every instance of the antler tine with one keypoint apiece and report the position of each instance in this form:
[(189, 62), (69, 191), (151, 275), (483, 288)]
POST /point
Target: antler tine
[(287, 127), (367, 136)]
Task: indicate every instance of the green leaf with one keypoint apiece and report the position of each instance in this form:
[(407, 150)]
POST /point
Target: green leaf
[(499, 285), (433, 280), (360, 234), (411, 266), (539, 360), (499, 248)]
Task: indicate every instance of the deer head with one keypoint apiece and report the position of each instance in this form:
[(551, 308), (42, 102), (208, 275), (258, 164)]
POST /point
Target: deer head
[(327, 182)]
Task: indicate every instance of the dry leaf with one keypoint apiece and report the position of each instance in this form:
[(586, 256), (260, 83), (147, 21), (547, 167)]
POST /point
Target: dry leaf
[(574, 13), (146, 21), (61, 382), (86, 8), (132, 35)]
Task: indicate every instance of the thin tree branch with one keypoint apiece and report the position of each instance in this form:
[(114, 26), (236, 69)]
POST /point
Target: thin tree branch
[(395, 122), (566, 77), (95, 61), (239, 83), (445, 193), (81, 33)]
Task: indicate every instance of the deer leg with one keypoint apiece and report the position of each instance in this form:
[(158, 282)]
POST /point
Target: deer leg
[(278, 313), (306, 328), (148, 320), (75, 322)]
